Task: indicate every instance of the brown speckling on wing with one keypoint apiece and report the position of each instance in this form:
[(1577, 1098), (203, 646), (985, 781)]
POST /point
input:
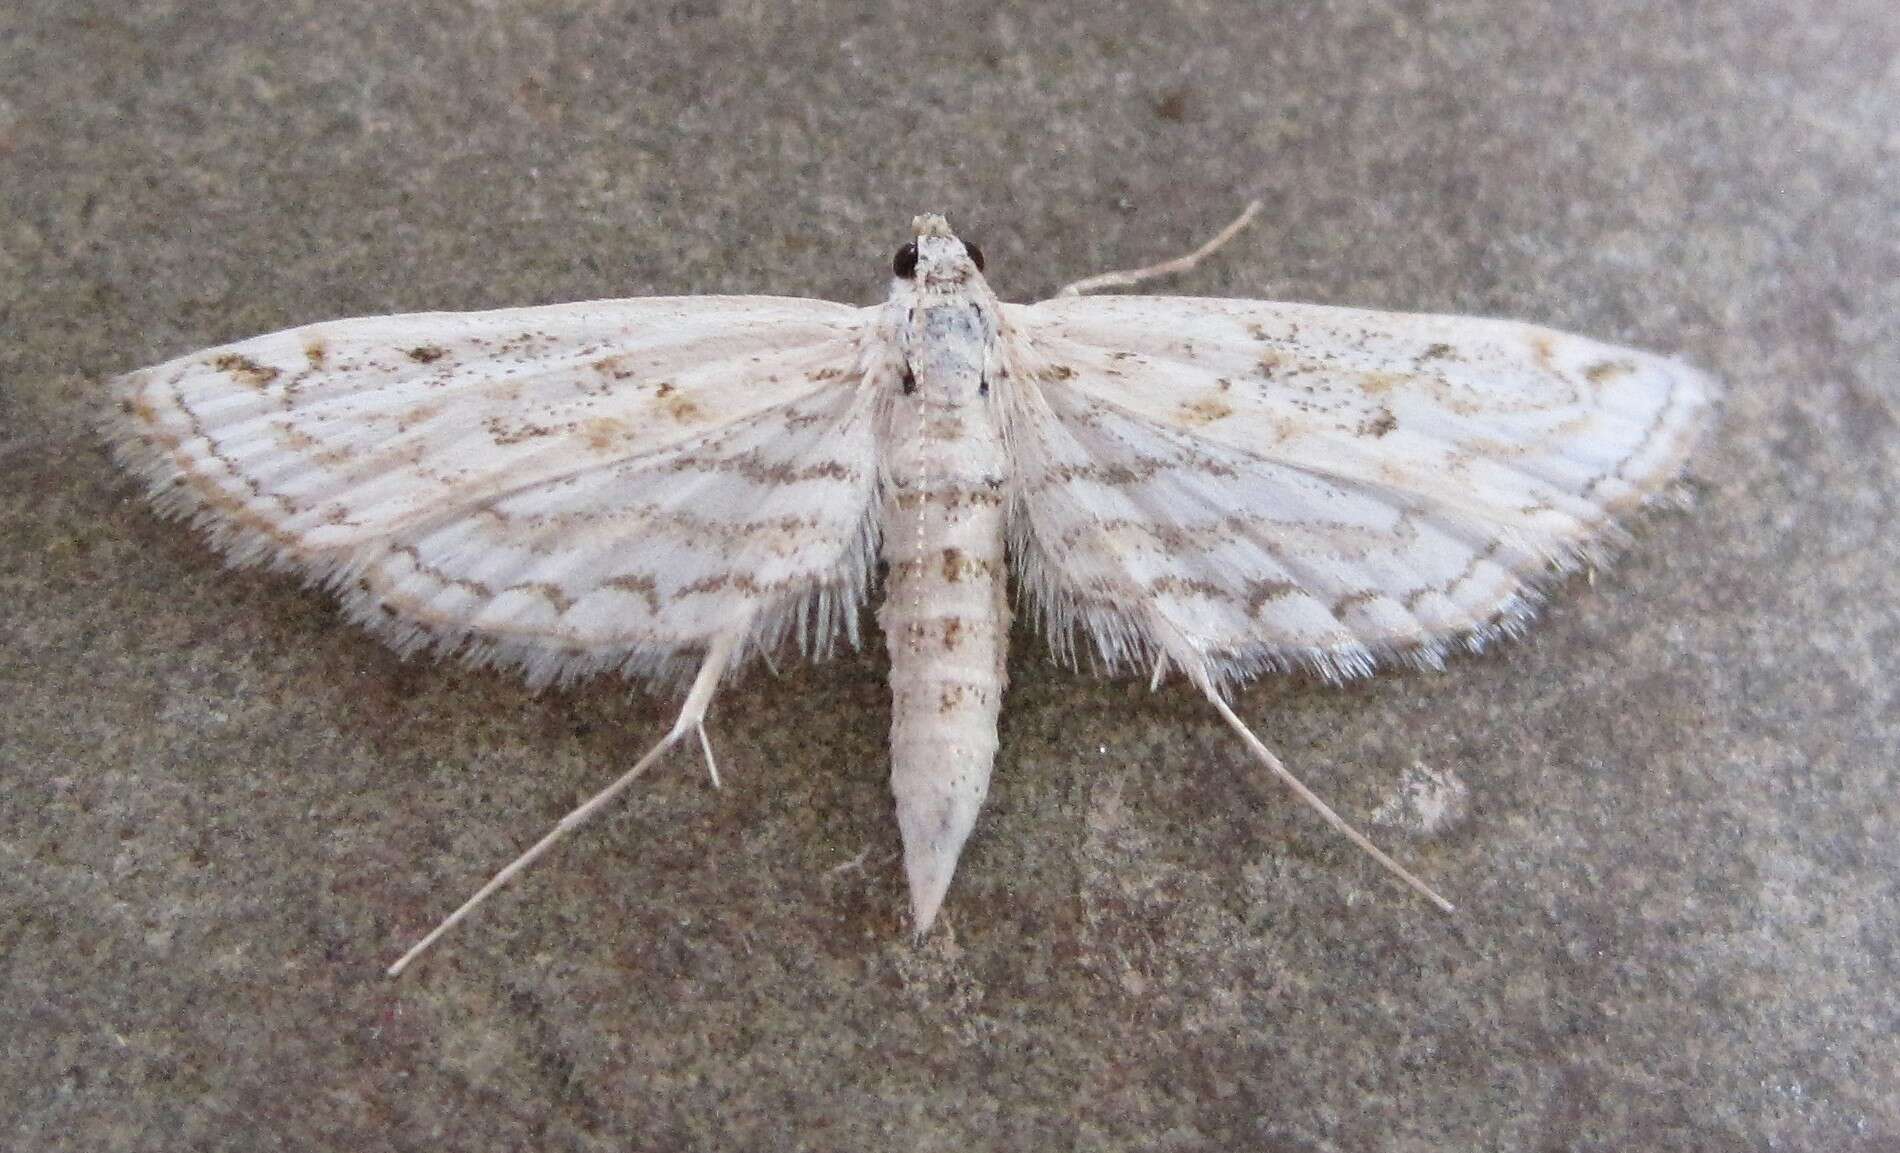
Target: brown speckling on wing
[(1378, 383), (1204, 410), (603, 433), (1606, 370), (683, 410), (245, 370), (1543, 349), (1379, 424)]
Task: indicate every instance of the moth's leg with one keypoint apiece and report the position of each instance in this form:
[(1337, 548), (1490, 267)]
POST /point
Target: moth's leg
[(1128, 278), (712, 766), (1272, 762), (692, 718)]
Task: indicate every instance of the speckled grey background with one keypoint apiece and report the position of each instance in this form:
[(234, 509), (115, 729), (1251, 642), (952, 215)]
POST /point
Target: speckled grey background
[(224, 811)]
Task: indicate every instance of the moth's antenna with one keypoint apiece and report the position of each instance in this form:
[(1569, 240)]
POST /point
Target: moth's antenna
[(1128, 278), (1334, 819), (691, 719)]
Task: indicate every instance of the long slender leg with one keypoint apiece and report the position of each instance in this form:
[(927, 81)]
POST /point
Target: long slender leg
[(1272, 762), (691, 719), (1128, 278)]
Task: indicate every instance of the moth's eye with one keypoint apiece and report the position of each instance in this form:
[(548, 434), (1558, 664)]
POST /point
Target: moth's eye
[(976, 255), (904, 264)]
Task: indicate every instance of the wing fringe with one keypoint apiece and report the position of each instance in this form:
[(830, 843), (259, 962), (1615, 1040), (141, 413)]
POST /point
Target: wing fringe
[(1115, 641)]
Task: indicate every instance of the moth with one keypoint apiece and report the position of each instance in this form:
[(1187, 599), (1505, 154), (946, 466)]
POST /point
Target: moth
[(673, 487)]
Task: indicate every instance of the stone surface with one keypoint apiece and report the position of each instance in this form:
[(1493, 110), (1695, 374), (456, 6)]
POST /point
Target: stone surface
[(222, 811)]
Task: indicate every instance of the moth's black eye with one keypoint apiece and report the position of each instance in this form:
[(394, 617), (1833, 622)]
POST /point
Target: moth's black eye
[(976, 255), (904, 264)]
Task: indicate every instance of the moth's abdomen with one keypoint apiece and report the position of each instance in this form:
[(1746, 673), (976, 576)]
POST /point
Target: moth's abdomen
[(946, 619)]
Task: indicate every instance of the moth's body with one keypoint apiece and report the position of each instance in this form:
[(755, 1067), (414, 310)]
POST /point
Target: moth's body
[(941, 521), (671, 487)]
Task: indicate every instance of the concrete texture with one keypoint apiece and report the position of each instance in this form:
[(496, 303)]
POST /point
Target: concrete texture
[(224, 810)]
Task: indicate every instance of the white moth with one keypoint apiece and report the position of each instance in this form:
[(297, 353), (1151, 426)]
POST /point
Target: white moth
[(669, 487)]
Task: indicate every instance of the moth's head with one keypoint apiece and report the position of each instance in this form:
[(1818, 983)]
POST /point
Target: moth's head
[(936, 258)]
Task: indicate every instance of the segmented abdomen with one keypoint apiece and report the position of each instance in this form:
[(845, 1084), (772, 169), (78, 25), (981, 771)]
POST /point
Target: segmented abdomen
[(946, 619)]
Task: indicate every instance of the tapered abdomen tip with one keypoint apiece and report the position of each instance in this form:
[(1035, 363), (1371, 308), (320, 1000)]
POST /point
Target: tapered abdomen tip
[(934, 830), (927, 889)]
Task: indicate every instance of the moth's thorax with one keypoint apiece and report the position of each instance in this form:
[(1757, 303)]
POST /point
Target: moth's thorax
[(941, 422), (945, 321)]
